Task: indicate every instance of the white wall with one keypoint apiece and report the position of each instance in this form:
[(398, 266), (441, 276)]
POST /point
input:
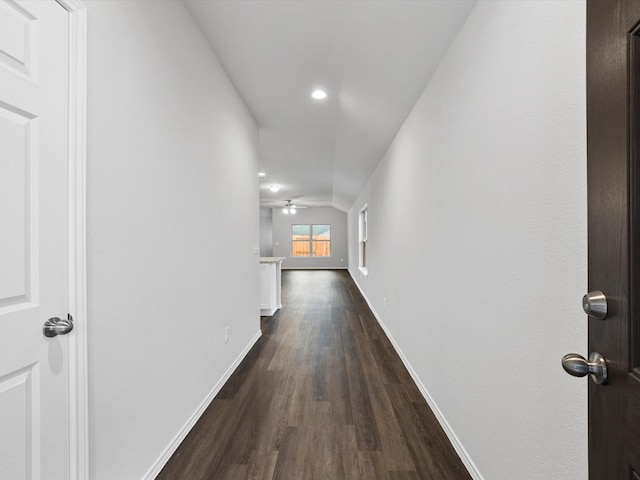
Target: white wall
[(169, 144), (313, 215), (484, 269), (266, 232)]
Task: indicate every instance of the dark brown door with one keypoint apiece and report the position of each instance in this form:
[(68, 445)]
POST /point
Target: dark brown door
[(613, 167)]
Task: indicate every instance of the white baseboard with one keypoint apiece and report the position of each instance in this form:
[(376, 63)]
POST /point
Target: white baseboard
[(315, 268), (159, 464), (453, 438)]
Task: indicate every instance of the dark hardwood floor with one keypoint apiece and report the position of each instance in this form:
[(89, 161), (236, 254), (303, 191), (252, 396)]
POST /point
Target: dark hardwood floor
[(322, 395)]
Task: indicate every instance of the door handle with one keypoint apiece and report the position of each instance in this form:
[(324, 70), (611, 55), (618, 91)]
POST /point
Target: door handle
[(56, 326), (578, 366)]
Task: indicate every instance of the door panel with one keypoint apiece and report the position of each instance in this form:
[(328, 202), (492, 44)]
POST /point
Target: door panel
[(18, 38), (608, 241), (16, 138), (634, 422), (34, 377), (18, 423), (612, 171)]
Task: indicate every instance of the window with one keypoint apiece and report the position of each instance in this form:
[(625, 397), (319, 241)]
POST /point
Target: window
[(362, 237), (310, 240)]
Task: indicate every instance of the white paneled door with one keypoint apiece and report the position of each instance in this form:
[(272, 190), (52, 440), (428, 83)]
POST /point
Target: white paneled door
[(34, 369)]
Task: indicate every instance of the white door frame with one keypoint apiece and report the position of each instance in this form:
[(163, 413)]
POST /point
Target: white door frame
[(77, 246)]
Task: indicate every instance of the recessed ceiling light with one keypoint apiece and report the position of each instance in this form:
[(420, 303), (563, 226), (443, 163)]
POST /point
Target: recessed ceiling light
[(262, 174), (319, 94), (274, 188)]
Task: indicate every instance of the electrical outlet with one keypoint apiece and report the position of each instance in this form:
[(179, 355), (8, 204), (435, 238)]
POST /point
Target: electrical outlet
[(226, 334)]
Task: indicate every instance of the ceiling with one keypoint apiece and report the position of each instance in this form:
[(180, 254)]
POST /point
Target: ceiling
[(373, 58)]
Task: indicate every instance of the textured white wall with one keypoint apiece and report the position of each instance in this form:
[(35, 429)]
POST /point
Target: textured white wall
[(477, 239), (319, 216), (172, 221)]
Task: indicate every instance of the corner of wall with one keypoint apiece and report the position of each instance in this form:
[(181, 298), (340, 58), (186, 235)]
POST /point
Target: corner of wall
[(453, 438)]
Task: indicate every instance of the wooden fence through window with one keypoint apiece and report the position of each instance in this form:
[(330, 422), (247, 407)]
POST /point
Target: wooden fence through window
[(300, 246)]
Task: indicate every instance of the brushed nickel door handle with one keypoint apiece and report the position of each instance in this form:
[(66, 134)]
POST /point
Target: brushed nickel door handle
[(56, 326), (578, 366)]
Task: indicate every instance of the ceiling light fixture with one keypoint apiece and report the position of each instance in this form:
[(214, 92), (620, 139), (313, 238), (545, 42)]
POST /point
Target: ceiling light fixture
[(289, 208), (274, 188), (319, 94), (262, 174)]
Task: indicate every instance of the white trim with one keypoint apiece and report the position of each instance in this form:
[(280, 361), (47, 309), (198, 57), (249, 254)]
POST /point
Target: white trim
[(162, 460), (453, 438), (314, 268), (363, 230), (77, 248)]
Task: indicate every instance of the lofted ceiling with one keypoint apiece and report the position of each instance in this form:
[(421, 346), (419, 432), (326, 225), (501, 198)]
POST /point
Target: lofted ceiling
[(373, 58)]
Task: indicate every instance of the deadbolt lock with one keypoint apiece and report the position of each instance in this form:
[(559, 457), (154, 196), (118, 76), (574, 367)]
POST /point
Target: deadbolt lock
[(595, 304)]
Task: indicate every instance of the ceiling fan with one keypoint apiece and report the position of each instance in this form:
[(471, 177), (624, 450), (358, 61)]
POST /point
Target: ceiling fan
[(290, 208)]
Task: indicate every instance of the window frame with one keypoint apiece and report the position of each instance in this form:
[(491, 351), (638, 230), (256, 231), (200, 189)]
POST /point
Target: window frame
[(363, 238), (310, 241)]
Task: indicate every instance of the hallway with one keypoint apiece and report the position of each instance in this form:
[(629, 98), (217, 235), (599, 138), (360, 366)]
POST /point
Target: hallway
[(322, 395)]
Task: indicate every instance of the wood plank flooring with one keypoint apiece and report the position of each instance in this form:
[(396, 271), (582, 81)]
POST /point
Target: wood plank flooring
[(322, 395)]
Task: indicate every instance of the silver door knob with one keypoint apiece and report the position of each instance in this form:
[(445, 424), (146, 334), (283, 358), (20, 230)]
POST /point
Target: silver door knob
[(56, 326), (578, 366), (595, 304)]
